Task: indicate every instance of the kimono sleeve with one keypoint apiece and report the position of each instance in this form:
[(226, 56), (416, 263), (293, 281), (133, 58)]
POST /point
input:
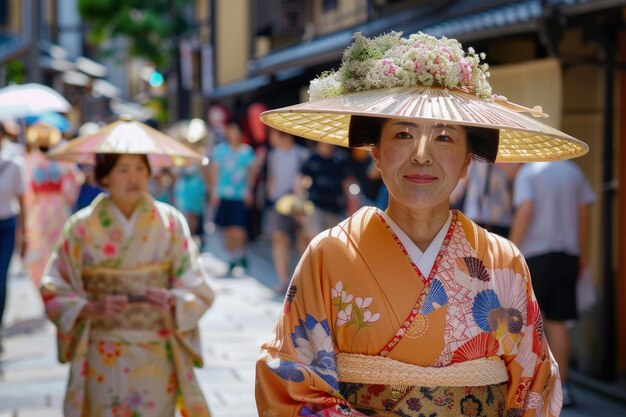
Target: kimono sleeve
[(192, 294), (296, 372), (62, 289), (534, 387)]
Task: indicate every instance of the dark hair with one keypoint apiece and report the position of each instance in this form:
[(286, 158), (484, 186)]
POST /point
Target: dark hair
[(482, 142), (105, 162)]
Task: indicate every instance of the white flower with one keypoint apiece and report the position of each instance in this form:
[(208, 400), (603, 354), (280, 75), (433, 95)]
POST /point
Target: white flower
[(335, 292), (324, 87), (344, 315), (363, 303), (368, 317)]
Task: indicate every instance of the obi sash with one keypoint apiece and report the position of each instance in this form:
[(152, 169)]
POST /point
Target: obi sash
[(138, 314), (380, 386)]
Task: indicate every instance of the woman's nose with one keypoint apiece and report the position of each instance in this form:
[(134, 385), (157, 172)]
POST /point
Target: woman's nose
[(421, 153)]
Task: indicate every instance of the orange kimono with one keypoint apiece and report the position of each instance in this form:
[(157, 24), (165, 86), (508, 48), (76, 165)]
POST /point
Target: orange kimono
[(363, 332)]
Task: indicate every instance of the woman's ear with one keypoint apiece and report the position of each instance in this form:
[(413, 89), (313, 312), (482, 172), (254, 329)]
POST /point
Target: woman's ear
[(376, 156)]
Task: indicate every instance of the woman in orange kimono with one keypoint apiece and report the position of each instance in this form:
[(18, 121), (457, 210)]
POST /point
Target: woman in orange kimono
[(414, 311)]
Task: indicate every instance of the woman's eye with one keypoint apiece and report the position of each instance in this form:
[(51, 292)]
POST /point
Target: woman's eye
[(443, 138), (404, 135)]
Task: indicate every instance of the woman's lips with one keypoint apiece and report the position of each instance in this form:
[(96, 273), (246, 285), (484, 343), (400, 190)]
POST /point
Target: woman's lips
[(420, 179)]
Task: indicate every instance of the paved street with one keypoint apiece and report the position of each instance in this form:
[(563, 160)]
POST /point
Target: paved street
[(32, 382)]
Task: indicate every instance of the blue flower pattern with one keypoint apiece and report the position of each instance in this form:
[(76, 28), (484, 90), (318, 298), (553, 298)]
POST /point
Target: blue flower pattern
[(310, 336)]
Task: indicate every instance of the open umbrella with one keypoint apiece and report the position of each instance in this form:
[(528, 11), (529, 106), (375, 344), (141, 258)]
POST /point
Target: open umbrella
[(17, 101), (128, 136), (52, 118)]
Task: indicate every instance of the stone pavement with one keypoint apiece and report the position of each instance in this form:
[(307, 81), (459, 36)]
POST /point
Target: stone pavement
[(32, 382)]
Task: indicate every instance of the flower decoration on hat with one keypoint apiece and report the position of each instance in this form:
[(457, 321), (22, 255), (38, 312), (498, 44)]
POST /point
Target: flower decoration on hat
[(390, 60)]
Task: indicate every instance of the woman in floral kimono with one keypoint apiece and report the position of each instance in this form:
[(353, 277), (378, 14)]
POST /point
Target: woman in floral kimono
[(51, 190), (125, 291), (415, 310)]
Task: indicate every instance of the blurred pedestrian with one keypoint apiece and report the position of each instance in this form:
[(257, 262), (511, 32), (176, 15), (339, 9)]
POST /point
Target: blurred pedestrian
[(489, 195), (363, 171), (125, 290), (191, 182), (12, 224), (231, 180), (51, 191), (324, 179), (89, 189), (190, 196), (284, 162), (551, 228)]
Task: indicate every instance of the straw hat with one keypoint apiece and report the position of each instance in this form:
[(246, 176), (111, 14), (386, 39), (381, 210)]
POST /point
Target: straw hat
[(128, 136), (192, 132), (420, 78), (42, 134), (291, 205)]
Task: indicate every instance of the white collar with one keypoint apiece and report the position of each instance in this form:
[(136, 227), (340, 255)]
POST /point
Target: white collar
[(423, 260), (127, 224)]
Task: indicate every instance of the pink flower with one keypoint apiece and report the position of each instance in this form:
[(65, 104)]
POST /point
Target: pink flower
[(390, 68), (80, 230), (466, 71), (116, 235), (109, 250)]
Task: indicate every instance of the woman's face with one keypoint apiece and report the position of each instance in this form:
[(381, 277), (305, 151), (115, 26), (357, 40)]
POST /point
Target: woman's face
[(233, 134), (128, 180), (421, 163)]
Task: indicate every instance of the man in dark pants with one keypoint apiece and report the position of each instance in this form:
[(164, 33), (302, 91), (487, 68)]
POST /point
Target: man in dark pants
[(551, 227)]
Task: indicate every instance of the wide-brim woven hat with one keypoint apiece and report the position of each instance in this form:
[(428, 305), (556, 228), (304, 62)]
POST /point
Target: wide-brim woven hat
[(128, 136), (523, 137)]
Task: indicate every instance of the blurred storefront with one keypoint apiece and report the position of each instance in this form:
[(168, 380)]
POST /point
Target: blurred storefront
[(568, 55)]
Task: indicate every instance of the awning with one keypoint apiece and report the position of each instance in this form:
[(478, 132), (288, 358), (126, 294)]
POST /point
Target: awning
[(11, 46), (240, 87)]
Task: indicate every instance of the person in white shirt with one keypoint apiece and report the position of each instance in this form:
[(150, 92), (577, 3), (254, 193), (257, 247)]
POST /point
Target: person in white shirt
[(11, 221), (551, 227)]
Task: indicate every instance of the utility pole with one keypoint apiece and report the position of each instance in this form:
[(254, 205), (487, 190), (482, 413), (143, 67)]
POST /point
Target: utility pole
[(31, 11)]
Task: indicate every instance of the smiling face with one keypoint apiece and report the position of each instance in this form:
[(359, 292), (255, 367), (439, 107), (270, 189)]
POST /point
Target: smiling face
[(128, 179), (421, 163)]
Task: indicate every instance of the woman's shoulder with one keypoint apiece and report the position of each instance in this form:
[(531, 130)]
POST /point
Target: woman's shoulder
[(486, 243), (168, 211), (346, 231)]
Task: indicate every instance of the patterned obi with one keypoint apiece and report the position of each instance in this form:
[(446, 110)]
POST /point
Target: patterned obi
[(138, 314), (47, 187), (380, 386)]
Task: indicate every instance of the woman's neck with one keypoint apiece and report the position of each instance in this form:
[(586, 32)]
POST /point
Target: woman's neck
[(127, 208), (421, 226)]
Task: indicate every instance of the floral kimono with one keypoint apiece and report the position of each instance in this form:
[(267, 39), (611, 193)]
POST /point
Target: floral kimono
[(52, 188), (363, 332), (140, 362)]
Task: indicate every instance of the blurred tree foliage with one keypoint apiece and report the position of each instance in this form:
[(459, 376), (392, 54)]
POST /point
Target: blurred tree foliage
[(15, 72), (150, 25)]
